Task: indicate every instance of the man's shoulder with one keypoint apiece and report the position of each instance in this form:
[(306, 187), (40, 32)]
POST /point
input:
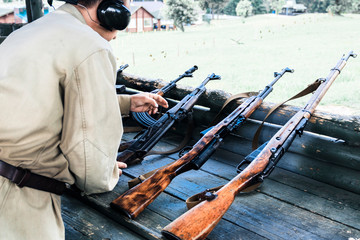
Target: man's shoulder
[(72, 32)]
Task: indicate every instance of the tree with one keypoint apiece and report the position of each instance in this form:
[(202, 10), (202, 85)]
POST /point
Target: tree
[(215, 6), (319, 6), (355, 6), (244, 8), (230, 7), (258, 7), (182, 12), (339, 6)]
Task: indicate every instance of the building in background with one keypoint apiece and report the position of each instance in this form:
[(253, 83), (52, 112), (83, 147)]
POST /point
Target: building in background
[(147, 16), (141, 20), (292, 8)]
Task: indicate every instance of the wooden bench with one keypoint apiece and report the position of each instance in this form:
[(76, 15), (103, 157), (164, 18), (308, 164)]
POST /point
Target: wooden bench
[(314, 192)]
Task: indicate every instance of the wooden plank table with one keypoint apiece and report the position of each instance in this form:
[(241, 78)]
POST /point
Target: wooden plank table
[(286, 206)]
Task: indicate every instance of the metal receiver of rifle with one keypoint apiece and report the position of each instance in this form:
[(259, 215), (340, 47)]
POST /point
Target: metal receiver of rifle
[(136, 199), (151, 136), (143, 117), (121, 88), (198, 222)]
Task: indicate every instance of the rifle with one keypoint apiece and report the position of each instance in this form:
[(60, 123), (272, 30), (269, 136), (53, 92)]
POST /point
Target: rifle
[(172, 84), (136, 199), (121, 88), (143, 117), (152, 135), (199, 221)]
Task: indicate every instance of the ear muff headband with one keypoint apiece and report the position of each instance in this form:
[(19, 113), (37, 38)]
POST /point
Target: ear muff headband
[(113, 14)]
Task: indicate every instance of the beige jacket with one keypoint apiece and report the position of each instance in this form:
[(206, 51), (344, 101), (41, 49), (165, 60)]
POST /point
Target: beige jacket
[(59, 117)]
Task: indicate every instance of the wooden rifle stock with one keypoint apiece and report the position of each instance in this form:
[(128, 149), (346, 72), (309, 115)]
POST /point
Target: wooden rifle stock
[(199, 221), (136, 199)]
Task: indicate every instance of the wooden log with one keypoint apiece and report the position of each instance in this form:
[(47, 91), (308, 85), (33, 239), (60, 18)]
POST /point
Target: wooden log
[(346, 128)]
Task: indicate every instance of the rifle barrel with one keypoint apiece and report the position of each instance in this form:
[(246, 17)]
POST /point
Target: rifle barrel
[(322, 89)]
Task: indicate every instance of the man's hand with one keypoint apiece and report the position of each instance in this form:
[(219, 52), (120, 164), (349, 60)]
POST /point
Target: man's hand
[(120, 166), (147, 102)]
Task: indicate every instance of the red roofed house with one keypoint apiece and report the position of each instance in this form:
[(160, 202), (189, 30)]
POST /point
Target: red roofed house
[(147, 15), (141, 20)]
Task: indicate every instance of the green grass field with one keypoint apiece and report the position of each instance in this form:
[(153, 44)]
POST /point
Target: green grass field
[(247, 52)]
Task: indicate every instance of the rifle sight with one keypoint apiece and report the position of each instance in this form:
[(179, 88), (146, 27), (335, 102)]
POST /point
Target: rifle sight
[(350, 54), (213, 76), (284, 70)]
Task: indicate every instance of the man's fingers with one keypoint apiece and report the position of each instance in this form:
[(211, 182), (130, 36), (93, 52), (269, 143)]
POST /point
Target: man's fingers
[(147, 102), (152, 102), (160, 100), (122, 165)]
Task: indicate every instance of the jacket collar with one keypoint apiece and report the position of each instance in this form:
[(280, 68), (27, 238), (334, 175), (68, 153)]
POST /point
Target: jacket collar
[(71, 9)]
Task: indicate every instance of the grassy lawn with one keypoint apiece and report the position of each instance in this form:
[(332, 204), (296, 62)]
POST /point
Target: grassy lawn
[(247, 52)]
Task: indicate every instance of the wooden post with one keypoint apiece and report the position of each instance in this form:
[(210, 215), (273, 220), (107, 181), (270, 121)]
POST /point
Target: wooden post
[(34, 9)]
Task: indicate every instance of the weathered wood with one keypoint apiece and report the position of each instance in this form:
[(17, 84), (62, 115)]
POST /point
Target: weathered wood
[(286, 206), (145, 226), (151, 221), (334, 125), (88, 223)]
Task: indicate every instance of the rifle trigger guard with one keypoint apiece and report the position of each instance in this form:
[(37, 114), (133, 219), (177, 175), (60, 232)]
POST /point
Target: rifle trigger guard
[(240, 168)]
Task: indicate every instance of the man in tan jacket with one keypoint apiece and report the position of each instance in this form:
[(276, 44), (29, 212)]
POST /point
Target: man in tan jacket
[(59, 117)]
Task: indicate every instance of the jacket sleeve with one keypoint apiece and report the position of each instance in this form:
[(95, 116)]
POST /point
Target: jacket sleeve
[(92, 127), (124, 102)]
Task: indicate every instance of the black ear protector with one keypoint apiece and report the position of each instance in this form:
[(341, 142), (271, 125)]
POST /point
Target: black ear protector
[(112, 14)]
